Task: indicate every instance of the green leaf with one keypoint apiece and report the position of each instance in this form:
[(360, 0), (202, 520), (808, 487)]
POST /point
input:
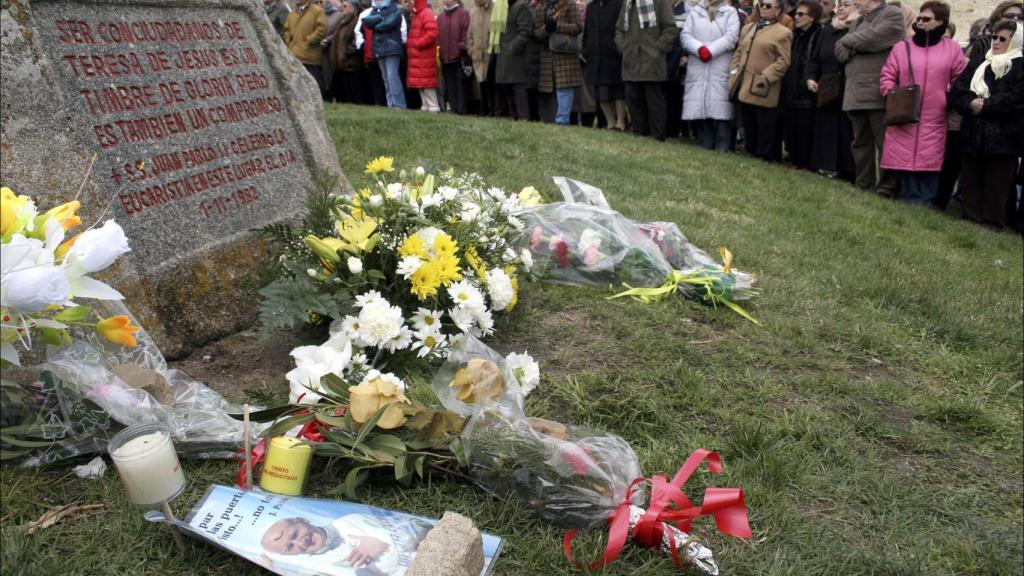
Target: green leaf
[(336, 386), (282, 426), (73, 314), (403, 470), (369, 425), (25, 443), (460, 452), (376, 274), (419, 465), (53, 336), (268, 414), (353, 480), (12, 454), (389, 443)]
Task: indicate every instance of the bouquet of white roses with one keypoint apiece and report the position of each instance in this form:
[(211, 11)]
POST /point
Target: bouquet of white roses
[(400, 269)]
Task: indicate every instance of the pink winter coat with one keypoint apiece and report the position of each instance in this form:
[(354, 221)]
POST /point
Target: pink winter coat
[(920, 147)]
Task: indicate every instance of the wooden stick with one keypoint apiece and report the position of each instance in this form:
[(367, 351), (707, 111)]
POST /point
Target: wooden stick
[(248, 451), (178, 540)]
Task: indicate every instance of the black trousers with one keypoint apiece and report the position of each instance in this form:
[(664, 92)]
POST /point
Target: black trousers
[(950, 170), (760, 129), (317, 72), (799, 135), (380, 94), (986, 182), (646, 104), (456, 87), (518, 100)]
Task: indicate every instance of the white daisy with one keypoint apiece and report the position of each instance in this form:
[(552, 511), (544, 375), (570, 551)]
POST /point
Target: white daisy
[(424, 320), (400, 341), (467, 296), (428, 342), (463, 318), (409, 265), (371, 297)]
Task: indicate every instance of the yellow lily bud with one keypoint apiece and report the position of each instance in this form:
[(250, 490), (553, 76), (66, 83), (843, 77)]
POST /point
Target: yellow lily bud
[(480, 380), (323, 250), (66, 245), (66, 214), (369, 397), (726, 259), (118, 329)]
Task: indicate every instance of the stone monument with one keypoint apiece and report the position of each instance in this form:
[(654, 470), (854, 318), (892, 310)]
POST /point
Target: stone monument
[(187, 121)]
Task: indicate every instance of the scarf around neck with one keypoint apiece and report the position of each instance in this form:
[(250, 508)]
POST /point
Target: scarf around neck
[(644, 13), (499, 19), (1000, 64)]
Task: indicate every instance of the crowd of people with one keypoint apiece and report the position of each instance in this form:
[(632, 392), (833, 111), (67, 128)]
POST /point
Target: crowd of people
[(801, 81)]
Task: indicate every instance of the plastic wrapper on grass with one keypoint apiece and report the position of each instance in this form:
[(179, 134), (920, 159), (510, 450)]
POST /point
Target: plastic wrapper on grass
[(88, 391), (584, 242)]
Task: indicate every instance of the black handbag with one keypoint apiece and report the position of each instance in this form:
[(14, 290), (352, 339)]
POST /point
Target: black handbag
[(903, 104), (565, 44)]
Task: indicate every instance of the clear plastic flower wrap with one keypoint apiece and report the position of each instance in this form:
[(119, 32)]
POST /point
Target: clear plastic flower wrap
[(584, 242), (75, 401), (573, 477)]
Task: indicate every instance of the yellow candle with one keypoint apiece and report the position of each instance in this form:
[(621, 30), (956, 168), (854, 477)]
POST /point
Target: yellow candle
[(284, 470)]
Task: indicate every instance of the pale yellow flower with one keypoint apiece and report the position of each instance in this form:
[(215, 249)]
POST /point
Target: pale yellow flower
[(380, 164), (369, 397)]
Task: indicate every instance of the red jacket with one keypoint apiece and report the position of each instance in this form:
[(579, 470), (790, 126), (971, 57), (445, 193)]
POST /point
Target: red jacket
[(421, 48), (454, 29)]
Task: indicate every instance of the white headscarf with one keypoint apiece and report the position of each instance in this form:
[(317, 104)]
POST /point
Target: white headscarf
[(1000, 63)]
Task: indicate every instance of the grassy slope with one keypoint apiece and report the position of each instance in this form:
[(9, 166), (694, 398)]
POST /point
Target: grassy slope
[(874, 420)]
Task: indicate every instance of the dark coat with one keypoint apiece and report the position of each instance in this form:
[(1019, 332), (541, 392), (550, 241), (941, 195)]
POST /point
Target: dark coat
[(342, 51), (512, 46), (999, 129), (422, 48), (453, 30), (532, 55), (823, 59), (604, 61), (644, 50), (386, 22), (558, 70), (794, 84), (863, 50)]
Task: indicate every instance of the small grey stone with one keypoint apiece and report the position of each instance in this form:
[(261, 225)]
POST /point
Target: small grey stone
[(453, 547)]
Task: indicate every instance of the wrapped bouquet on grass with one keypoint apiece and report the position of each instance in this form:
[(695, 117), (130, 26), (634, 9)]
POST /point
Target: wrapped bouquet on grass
[(582, 241), (574, 477)]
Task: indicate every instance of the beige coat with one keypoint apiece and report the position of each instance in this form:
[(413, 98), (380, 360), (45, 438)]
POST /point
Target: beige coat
[(303, 32), (763, 53), (479, 36)]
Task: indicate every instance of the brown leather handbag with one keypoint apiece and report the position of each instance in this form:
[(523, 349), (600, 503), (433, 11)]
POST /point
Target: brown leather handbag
[(903, 104), (830, 89)]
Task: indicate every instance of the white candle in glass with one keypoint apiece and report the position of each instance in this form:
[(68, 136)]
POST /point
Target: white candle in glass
[(149, 468)]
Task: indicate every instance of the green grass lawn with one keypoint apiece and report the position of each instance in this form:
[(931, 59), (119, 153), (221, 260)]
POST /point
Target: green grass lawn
[(874, 420)]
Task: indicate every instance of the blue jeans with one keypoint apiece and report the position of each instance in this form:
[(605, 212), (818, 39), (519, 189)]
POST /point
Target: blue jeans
[(392, 80), (919, 187), (564, 96), (714, 134)]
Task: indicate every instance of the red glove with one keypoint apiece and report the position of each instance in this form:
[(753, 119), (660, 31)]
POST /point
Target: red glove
[(704, 54)]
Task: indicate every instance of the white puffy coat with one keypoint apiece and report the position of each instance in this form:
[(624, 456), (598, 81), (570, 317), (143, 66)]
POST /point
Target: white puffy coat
[(707, 83)]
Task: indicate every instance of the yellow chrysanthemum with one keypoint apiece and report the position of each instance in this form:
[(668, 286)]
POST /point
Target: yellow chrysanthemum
[(413, 246), (474, 261), (380, 164), (448, 269), (444, 245), (426, 280)]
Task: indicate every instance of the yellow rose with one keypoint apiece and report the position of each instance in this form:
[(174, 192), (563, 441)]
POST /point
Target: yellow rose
[(480, 380), (367, 398)]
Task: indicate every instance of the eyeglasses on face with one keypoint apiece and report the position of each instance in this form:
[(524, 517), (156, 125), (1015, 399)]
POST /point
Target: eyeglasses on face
[(1001, 38), (924, 19), (1013, 16), (767, 6), (801, 13)]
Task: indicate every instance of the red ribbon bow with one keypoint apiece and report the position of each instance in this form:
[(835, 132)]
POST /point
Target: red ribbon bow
[(725, 504)]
